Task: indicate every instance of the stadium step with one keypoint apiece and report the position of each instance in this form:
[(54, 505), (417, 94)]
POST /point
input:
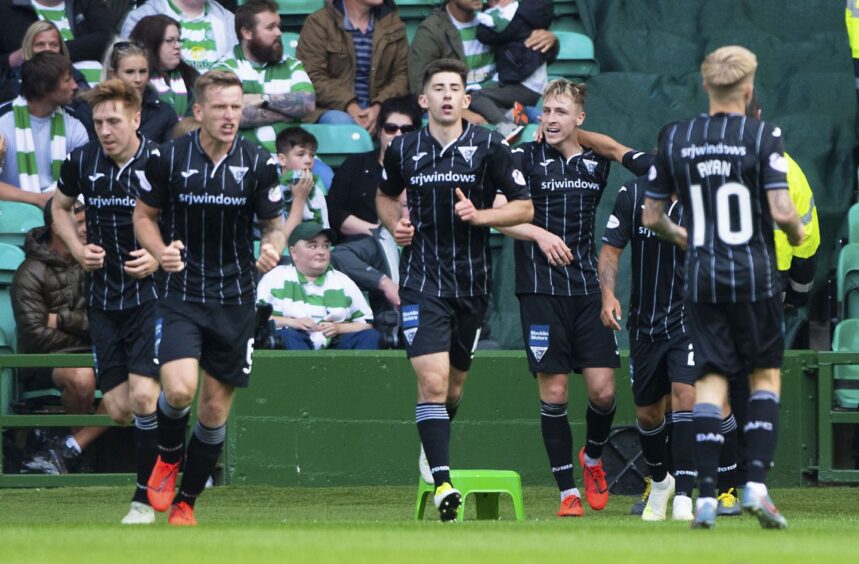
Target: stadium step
[(485, 485)]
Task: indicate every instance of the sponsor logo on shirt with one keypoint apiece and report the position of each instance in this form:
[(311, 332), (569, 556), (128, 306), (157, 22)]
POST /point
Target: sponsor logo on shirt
[(693, 151), (112, 201), (96, 176), (421, 179), (566, 184), (189, 173), (419, 156), (212, 199), (613, 222), (411, 319)]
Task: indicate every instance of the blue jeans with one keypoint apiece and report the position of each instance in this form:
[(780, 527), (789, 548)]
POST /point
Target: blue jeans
[(295, 340), (335, 117)]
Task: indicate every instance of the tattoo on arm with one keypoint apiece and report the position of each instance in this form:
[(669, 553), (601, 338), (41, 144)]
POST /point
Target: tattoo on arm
[(608, 270), (293, 104), (253, 116), (783, 203)]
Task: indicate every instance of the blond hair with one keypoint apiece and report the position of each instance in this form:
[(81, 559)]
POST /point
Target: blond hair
[(563, 87), (726, 69), (113, 90), (30, 38), (214, 78)]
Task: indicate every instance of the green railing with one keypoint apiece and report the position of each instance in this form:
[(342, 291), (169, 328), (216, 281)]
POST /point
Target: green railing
[(829, 415)]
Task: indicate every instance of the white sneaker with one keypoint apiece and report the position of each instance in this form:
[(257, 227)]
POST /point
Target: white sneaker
[(657, 502), (424, 467), (139, 514), (682, 509)]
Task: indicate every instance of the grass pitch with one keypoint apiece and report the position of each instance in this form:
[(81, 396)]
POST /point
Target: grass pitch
[(374, 524)]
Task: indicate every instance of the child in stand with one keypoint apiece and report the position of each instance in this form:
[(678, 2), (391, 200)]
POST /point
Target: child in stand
[(302, 190)]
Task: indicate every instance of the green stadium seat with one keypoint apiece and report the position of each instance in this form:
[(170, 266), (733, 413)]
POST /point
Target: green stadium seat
[(848, 281), (853, 224), (527, 134), (846, 378), (485, 485), (416, 10), (576, 57), (290, 42), (16, 219), (566, 8), (7, 318), (298, 7), (11, 258), (336, 142)]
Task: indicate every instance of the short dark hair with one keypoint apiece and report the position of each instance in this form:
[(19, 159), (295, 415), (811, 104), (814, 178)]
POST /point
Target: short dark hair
[(213, 78), (246, 14), (295, 137), (149, 33), (444, 65), (406, 105), (112, 90), (42, 74)]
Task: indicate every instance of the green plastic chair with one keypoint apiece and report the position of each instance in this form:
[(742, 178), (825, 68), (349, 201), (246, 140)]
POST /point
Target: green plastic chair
[(298, 7), (336, 142), (853, 224), (11, 258), (16, 219), (846, 379), (848, 281), (290, 43), (576, 57), (486, 487)]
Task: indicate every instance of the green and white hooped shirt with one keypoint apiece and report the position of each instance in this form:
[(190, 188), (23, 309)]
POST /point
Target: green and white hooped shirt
[(198, 38), (315, 207), (479, 58), (57, 16)]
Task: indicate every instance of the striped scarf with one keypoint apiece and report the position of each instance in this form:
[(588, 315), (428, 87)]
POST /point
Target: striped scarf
[(315, 207), (57, 16), (174, 93), (28, 172)]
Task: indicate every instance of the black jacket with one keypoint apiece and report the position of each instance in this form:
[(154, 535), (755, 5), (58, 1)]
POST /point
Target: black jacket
[(157, 119), (91, 21), (513, 60), (353, 190)]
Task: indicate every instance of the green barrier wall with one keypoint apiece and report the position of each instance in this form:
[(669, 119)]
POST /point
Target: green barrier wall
[(341, 419)]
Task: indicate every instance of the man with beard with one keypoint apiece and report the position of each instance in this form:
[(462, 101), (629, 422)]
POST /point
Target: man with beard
[(276, 87)]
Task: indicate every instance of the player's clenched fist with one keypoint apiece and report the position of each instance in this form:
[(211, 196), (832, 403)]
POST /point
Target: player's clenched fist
[(268, 258), (91, 257), (171, 257), (404, 232), (141, 265), (465, 209)]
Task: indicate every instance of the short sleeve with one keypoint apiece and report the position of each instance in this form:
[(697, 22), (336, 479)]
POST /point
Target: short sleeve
[(773, 163), (155, 183), (268, 202), (68, 182), (505, 172), (360, 309), (660, 184), (392, 176), (618, 229)]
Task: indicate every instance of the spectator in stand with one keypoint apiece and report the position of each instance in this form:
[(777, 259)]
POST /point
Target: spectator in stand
[(450, 33), (50, 305), (277, 90), (361, 250), (302, 190), (207, 28), (356, 53), (129, 62), (41, 36), (315, 306), (85, 25), (38, 118), (171, 77)]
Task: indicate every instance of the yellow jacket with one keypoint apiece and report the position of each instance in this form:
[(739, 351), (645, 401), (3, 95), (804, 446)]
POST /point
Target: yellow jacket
[(803, 200), (851, 15)]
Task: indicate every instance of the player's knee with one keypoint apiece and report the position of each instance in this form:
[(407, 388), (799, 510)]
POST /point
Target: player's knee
[(682, 397), (602, 398), (179, 397), (213, 413), (78, 382), (649, 417), (143, 401), (119, 413)]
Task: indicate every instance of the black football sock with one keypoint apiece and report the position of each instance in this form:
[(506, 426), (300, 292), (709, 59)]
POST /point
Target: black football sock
[(707, 422), (146, 450), (204, 448), (434, 430), (728, 458), (558, 439), (599, 427), (683, 449), (761, 431), (172, 422), (669, 453), (653, 448)]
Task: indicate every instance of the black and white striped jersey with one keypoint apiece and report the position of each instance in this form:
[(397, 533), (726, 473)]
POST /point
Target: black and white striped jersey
[(449, 257), (566, 193), (109, 192), (656, 311), (722, 167), (210, 207)]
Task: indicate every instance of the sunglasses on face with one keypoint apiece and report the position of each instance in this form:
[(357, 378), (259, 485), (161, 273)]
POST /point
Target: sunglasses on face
[(391, 128)]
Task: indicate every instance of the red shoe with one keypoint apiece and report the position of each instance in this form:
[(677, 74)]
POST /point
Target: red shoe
[(596, 490), (571, 506), (162, 485), (182, 515), (520, 116)]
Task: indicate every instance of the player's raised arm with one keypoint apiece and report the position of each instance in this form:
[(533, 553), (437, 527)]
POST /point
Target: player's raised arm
[(513, 212), (655, 218)]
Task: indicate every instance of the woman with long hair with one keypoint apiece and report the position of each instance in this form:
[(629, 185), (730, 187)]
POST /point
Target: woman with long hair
[(172, 78), (129, 62)]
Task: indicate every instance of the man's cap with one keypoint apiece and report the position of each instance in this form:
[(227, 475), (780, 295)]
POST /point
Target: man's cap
[(307, 231)]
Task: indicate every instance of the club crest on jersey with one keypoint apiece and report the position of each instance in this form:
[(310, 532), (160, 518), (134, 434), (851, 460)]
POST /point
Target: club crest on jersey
[(538, 340), (96, 176), (189, 173), (144, 183), (467, 151), (419, 156), (590, 165), (411, 319), (239, 173)]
